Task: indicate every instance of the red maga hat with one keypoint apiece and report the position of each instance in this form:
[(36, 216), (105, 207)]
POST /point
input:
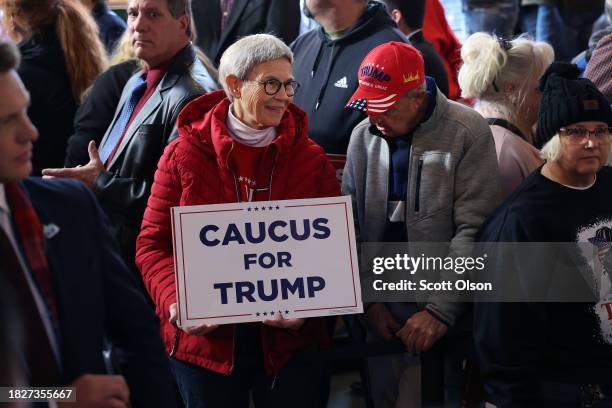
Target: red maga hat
[(386, 73)]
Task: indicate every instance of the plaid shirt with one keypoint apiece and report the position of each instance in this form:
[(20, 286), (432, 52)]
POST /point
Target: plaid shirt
[(599, 68)]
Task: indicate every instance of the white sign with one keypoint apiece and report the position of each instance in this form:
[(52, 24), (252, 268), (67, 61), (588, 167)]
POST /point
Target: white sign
[(244, 262)]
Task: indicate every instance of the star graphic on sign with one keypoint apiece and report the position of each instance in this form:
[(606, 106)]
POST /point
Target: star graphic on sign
[(263, 208), (256, 209), (265, 314), (270, 208), (257, 314), (272, 313), (277, 207), (249, 209), (286, 312)]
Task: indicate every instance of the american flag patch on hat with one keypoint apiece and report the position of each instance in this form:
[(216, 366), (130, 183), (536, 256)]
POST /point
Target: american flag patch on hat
[(358, 104)]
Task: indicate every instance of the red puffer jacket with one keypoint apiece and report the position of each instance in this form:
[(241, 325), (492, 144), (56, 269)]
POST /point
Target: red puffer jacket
[(193, 171)]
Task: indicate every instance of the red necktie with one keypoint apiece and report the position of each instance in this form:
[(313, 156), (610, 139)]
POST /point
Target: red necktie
[(29, 234)]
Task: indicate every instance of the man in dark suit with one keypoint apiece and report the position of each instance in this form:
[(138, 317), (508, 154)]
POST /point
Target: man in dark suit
[(75, 296), (219, 23), (409, 16), (121, 172)]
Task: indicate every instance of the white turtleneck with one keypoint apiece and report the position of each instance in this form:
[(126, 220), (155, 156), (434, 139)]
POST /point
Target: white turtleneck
[(247, 135)]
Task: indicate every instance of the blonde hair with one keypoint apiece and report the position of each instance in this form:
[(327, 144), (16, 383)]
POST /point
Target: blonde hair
[(491, 64), (240, 57), (123, 50), (551, 151), (76, 29)]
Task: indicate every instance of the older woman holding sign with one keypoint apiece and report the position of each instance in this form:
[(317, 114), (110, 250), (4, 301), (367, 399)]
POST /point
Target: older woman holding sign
[(245, 143)]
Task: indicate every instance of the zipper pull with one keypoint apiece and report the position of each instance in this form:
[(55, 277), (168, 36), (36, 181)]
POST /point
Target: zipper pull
[(273, 382), (317, 105), (175, 343)]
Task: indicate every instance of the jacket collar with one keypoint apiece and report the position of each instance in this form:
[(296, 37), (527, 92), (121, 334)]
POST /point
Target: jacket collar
[(416, 36), (439, 110), (234, 17), (203, 122), (182, 62)]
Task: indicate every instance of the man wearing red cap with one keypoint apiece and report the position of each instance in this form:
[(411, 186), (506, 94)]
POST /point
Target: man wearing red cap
[(420, 168)]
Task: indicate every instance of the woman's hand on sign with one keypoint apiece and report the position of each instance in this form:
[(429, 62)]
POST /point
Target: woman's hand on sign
[(173, 310), (282, 323), (193, 330)]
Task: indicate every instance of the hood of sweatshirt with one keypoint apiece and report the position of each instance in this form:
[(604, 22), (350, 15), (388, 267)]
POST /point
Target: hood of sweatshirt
[(373, 19), (203, 123)]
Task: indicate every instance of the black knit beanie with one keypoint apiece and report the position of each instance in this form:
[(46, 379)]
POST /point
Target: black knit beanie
[(567, 99)]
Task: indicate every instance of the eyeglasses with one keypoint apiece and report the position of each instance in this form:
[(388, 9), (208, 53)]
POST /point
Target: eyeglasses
[(272, 86), (581, 135)]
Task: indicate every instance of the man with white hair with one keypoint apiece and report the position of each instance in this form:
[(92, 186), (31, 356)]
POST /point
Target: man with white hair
[(420, 168)]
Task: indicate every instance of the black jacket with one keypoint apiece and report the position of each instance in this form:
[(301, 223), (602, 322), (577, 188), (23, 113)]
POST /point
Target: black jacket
[(97, 297), (97, 111), (327, 71), (279, 17), (522, 345), (434, 67), (52, 104), (124, 189)]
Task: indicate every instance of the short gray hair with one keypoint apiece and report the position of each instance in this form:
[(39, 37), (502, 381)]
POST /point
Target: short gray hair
[(240, 57)]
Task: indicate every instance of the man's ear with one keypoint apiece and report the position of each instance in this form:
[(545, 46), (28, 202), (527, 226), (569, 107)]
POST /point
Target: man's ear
[(421, 98), (185, 23), (396, 15)]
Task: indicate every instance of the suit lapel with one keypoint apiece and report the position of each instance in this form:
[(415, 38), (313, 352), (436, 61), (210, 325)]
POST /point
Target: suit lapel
[(149, 107), (51, 243), (234, 17)]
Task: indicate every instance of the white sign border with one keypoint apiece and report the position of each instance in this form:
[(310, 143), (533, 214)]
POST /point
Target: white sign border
[(183, 315)]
